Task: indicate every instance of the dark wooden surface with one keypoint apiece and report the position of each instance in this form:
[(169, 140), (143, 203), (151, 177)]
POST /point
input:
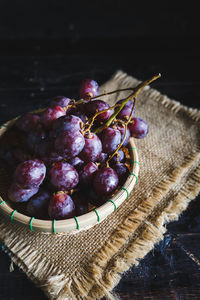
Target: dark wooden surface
[(48, 47)]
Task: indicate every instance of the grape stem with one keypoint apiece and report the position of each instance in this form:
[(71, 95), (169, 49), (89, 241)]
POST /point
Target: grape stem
[(120, 145), (97, 114), (135, 92)]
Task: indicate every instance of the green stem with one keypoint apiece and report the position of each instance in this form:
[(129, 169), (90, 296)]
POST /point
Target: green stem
[(135, 92), (120, 145)]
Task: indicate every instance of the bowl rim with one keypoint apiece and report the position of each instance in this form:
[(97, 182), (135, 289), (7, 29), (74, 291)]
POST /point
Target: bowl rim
[(83, 222)]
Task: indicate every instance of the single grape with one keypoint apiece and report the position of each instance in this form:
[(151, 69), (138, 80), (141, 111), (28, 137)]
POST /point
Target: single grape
[(13, 156), (92, 148), (62, 101), (76, 162), (28, 122), (119, 157), (87, 173), (61, 206), (121, 128), (65, 123), (110, 138), (80, 114), (102, 158), (63, 176), (37, 206), (81, 203), (138, 128), (93, 107), (69, 143), (50, 115), (30, 174), (105, 181), (122, 171), (34, 137), (43, 148), (17, 194), (124, 114), (89, 88)]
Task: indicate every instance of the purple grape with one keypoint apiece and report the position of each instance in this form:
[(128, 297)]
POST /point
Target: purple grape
[(110, 138), (66, 123), (81, 115), (63, 176), (76, 162), (17, 194), (38, 205), (121, 128), (105, 181), (61, 206), (102, 158), (119, 157), (122, 171), (27, 122), (93, 107), (50, 115), (30, 174), (34, 137), (69, 143), (126, 110), (81, 203), (87, 173), (43, 148), (13, 156), (138, 128), (89, 88), (92, 149), (62, 101)]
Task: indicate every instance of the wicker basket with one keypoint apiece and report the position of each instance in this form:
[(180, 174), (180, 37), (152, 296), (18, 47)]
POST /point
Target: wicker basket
[(75, 224)]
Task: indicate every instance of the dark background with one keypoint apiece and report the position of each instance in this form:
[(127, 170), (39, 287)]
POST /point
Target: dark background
[(48, 47)]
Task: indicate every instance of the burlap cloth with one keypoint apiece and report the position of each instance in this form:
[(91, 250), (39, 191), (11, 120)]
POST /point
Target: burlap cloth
[(88, 265)]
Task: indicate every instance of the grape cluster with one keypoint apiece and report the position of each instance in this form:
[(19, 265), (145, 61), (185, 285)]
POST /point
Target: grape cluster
[(65, 162)]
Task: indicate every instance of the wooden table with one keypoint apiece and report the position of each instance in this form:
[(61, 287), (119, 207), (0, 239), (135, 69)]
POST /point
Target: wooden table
[(33, 71)]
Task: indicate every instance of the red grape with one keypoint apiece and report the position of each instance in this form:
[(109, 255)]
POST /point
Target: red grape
[(61, 101), (51, 114), (61, 206), (93, 107), (17, 194), (27, 122), (89, 88), (110, 138), (69, 143), (119, 157), (105, 181), (38, 205), (138, 128), (81, 203), (121, 128), (124, 114), (63, 176), (65, 123), (122, 171), (87, 173), (30, 174), (92, 148)]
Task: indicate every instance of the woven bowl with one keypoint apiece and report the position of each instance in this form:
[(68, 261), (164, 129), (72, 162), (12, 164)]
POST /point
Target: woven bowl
[(75, 224)]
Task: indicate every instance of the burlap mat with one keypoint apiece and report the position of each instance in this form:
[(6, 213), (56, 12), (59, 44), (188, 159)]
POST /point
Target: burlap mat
[(89, 264)]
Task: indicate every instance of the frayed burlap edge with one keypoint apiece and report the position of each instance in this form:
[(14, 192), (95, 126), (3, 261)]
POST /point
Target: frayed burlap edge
[(101, 276)]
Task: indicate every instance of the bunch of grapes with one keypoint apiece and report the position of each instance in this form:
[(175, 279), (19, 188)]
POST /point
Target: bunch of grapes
[(72, 154)]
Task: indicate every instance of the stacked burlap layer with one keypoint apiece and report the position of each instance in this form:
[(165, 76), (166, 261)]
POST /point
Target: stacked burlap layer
[(87, 265)]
